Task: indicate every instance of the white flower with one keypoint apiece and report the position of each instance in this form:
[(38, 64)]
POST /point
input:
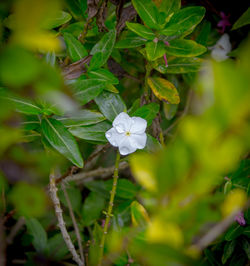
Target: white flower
[(127, 133), (221, 48)]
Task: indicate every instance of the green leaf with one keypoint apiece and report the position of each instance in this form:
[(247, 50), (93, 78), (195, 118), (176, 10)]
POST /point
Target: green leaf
[(170, 110), (92, 208), (59, 18), (185, 48), (103, 74), (141, 30), (61, 140), (125, 188), (38, 233), (104, 47), (164, 90), (169, 6), (111, 88), (155, 50), (243, 20), (246, 247), (228, 251), (74, 195), (22, 105), (203, 36), (81, 118), (56, 247), (139, 215), (94, 133), (148, 112), (147, 11), (129, 39), (233, 232), (179, 65), (184, 20), (88, 89), (110, 104), (75, 49)]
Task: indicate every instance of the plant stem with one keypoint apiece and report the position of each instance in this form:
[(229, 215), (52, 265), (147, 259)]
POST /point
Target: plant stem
[(110, 206), (78, 236), (61, 223)]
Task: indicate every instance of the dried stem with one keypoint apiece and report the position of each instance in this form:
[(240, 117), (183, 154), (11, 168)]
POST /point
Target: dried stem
[(15, 229), (99, 172), (110, 207), (61, 223), (78, 236)]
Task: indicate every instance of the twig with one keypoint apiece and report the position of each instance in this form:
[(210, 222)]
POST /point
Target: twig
[(78, 236), (110, 207), (100, 172), (61, 223), (15, 229)]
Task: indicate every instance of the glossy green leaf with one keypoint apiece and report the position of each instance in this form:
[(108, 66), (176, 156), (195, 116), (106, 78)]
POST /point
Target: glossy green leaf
[(185, 48), (179, 65), (243, 20), (147, 11), (103, 74), (111, 88), (74, 195), (81, 118), (110, 104), (104, 47), (148, 112), (22, 105), (203, 36), (164, 90), (93, 206), (155, 50), (233, 232), (141, 30), (169, 6), (94, 133), (88, 89), (61, 140), (38, 234), (59, 18), (129, 39), (75, 48), (184, 20), (228, 251)]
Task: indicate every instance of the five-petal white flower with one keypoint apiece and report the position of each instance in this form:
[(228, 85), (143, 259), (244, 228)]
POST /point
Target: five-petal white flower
[(127, 133), (221, 48)]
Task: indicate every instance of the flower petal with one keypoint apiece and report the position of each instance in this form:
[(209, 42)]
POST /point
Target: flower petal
[(113, 137), (122, 123), (138, 126), (126, 147), (138, 140)]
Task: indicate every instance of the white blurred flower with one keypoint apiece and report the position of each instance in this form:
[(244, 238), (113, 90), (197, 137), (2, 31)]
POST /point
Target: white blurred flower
[(127, 133), (221, 48)]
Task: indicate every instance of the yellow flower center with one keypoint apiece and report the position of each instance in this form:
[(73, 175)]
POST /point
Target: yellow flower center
[(127, 133)]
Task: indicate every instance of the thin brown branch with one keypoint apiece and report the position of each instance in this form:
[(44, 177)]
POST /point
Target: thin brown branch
[(78, 236), (61, 223), (15, 229), (99, 172)]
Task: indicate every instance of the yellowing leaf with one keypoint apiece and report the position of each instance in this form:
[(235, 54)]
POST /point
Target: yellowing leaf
[(233, 202), (142, 167), (161, 232), (139, 214), (164, 90)]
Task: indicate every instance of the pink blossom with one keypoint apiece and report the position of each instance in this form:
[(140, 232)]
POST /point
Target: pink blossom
[(224, 22)]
